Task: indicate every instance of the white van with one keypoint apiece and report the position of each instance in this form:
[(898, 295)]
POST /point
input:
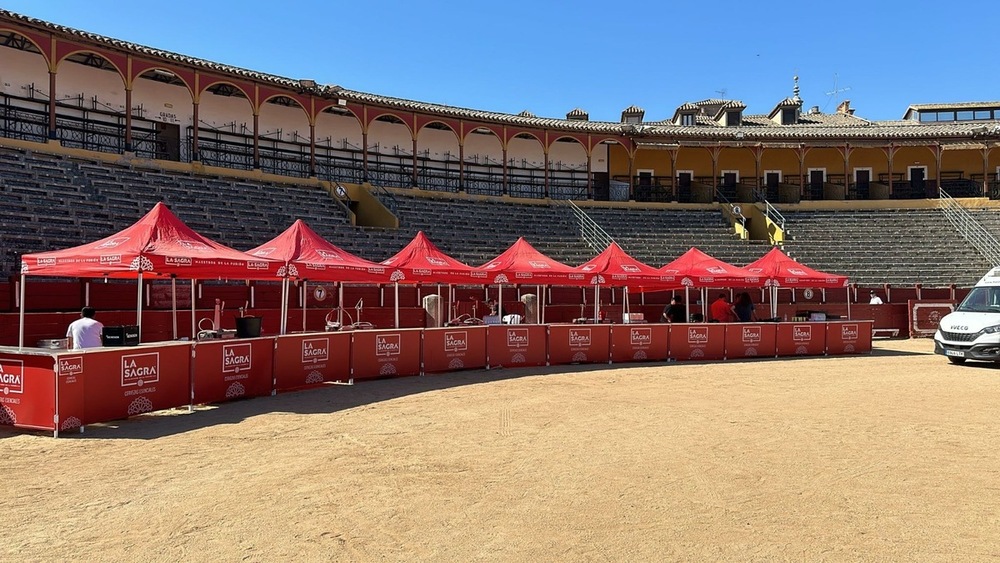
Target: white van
[(972, 331)]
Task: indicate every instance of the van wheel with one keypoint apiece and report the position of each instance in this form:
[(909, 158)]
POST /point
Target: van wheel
[(957, 360)]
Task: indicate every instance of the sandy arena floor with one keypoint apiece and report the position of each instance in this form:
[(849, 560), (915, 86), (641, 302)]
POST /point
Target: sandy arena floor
[(888, 457)]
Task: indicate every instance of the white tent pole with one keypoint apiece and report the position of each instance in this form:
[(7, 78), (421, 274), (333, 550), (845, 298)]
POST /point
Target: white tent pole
[(440, 306), (194, 329), (20, 314), (848, 304), (500, 301), (625, 309), (340, 303), (284, 306), (774, 301), (597, 296), (687, 305), (540, 305), (173, 302), (397, 304), (138, 311), (305, 299)]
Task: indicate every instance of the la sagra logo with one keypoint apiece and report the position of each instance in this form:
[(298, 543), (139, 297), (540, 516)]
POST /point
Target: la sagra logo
[(11, 376), (140, 369)]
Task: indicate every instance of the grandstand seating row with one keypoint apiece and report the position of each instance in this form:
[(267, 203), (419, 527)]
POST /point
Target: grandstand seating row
[(52, 201)]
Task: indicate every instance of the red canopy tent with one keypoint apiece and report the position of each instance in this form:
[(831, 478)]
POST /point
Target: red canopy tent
[(614, 267), (522, 263), (422, 261), (694, 268), (157, 244), (308, 256), (160, 244), (777, 269)]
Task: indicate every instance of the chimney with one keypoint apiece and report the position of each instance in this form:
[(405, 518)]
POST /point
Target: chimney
[(814, 110), (845, 108), (577, 115)]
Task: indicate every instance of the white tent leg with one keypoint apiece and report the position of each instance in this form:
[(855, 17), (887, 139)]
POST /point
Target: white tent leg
[(597, 298), (20, 314), (687, 305), (173, 303), (284, 306), (397, 304), (340, 303), (305, 300), (138, 311), (194, 327)]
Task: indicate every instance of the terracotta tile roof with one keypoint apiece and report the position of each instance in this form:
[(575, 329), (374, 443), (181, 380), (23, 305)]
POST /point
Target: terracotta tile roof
[(837, 127)]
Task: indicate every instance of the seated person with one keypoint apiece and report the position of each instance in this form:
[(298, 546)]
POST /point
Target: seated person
[(85, 332)]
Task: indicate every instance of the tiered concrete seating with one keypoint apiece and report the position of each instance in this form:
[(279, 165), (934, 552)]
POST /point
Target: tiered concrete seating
[(49, 202), (657, 236), (895, 246)]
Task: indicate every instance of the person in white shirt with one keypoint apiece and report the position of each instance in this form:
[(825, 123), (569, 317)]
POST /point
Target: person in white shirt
[(85, 332), (875, 300)]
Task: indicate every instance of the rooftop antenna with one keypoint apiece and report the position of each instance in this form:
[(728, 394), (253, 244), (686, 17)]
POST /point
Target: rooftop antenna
[(722, 93), (830, 96)]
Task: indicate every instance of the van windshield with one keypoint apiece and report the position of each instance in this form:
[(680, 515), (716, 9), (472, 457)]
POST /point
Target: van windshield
[(981, 299)]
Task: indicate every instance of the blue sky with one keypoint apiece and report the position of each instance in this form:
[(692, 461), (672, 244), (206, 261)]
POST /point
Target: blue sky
[(549, 57)]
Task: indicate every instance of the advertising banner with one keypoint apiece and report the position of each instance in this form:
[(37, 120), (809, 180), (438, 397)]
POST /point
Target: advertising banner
[(801, 339), (698, 341), (71, 404), (579, 344), (27, 391), (302, 360), (122, 382), (233, 368), (454, 348), (385, 353), (750, 341), (925, 315), (640, 343), (850, 337), (516, 345)]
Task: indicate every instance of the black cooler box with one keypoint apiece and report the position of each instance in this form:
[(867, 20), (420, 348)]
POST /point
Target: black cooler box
[(127, 335)]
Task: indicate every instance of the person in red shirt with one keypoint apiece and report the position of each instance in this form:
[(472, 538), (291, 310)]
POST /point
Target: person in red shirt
[(722, 310)]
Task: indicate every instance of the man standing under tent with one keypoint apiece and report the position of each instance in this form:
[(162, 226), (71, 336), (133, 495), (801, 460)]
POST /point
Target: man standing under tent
[(722, 310)]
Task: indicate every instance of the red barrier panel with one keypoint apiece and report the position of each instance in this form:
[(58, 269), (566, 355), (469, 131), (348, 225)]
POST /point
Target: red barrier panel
[(450, 349), (516, 345), (801, 339), (851, 337), (27, 391), (71, 404), (925, 315), (698, 341), (579, 344), (310, 359), (121, 382), (637, 343), (750, 341), (385, 353), (232, 369)]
